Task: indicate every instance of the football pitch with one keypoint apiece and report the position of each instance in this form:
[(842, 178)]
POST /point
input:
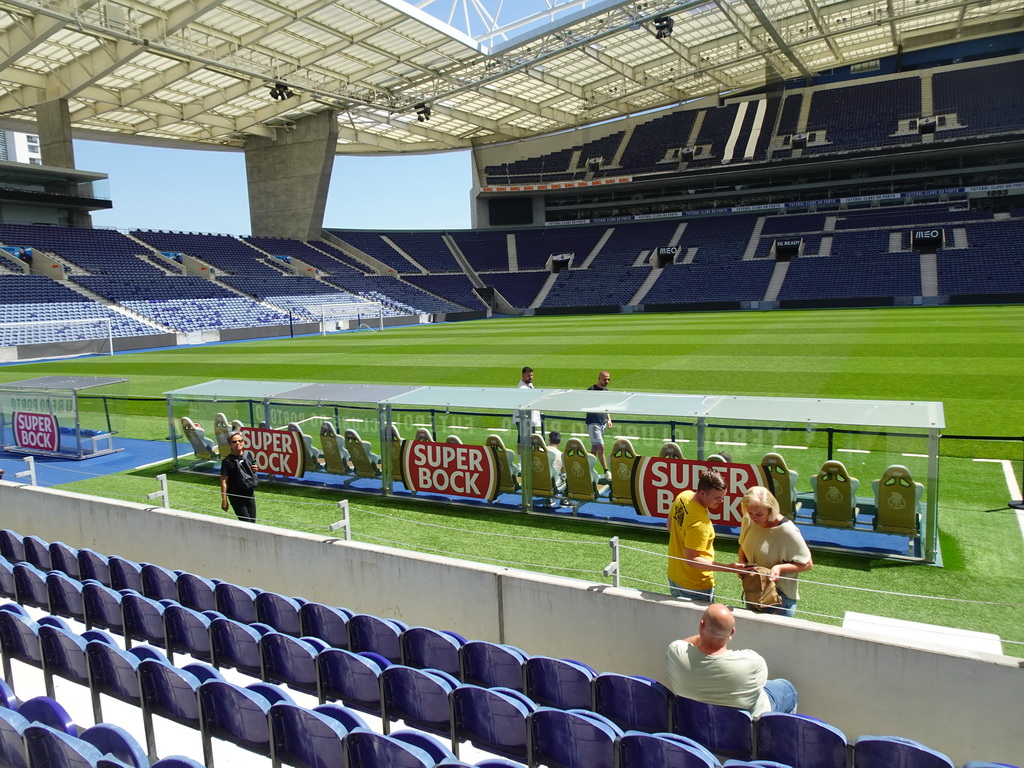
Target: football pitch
[(969, 358)]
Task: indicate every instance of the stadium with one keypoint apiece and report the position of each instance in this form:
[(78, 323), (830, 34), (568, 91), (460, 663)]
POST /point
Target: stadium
[(791, 232)]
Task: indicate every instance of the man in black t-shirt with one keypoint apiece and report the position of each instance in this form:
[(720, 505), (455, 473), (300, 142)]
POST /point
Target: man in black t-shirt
[(597, 423), (238, 480)]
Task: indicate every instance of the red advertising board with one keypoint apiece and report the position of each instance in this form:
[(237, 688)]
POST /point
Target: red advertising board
[(657, 482), (450, 469), (38, 431), (276, 451)]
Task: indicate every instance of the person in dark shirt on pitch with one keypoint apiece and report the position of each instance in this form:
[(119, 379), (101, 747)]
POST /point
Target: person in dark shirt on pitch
[(597, 423), (238, 480)]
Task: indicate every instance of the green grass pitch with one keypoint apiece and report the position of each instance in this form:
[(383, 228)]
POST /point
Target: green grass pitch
[(969, 358)]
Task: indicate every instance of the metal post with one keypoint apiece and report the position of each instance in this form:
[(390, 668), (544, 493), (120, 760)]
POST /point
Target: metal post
[(174, 433), (30, 473), (1019, 503), (931, 514), (612, 569), (387, 459), (345, 522), (162, 493)]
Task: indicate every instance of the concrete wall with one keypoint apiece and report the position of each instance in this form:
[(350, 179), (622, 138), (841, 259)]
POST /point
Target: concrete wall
[(965, 705)]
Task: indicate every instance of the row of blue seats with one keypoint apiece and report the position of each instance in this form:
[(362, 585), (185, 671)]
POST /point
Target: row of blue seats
[(435, 663), (265, 720), (39, 733), (260, 717)]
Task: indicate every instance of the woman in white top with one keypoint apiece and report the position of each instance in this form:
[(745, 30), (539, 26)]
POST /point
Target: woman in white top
[(770, 540)]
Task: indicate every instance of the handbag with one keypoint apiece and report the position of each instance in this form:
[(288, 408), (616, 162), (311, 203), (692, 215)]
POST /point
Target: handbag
[(246, 473), (759, 592)]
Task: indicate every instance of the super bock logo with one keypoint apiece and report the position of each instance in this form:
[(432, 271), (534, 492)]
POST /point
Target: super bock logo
[(657, 482)]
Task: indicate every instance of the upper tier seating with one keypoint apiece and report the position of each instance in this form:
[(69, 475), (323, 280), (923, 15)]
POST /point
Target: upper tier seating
[(485, 251), (99, 251), (866, 115), (227, 254), (855, 116), (982, 98), (374, 245)]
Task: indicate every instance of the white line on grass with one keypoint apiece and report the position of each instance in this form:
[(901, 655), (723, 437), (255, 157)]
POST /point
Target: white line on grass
[(356, 420), (628, 437), (792, 447), (670, 440), (456, 426), (915, 455), (1011, 485), (162, 461), (723, 442), (422, 425), (851, 450), (578, 434)]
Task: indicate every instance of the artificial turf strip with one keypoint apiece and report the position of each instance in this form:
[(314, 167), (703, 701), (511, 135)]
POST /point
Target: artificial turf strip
[(969, 358)]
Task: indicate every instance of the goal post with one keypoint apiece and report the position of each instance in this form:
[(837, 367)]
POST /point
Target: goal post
[(354, 315), (60, 338)]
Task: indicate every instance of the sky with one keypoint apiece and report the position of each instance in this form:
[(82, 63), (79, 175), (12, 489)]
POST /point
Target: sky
[(204, 191)]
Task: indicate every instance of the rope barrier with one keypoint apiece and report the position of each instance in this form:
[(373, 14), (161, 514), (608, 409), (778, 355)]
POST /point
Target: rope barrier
[(448, 553), (697, 563)]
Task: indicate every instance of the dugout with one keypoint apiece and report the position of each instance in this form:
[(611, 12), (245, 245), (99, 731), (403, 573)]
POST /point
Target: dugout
[(51, 416), (472, 452)]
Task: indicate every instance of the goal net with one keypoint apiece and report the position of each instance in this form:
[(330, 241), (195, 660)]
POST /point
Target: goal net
[(354, 315), (59, 338)]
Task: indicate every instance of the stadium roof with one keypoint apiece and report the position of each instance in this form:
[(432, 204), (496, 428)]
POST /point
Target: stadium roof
[(201, 71)]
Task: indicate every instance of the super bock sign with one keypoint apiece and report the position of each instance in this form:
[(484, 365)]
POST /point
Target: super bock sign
[(276, 451), (451, 469), (657, 482), (36, 430)]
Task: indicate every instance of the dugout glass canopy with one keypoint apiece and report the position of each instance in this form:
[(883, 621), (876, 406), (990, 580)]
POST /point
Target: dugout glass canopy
[(785, 443), (60, 416)]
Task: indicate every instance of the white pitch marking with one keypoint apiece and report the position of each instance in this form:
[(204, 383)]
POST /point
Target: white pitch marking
[(792, 447), (851, 450), (1011, 485), (915, 455), (360, 421), (455, 426), (723, 442)]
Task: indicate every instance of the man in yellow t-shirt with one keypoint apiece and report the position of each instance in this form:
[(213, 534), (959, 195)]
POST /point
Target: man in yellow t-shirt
[(691, 540)]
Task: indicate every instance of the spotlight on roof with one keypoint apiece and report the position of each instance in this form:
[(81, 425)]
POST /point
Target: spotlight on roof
[(663, 26), (280, 91), (422, 112)]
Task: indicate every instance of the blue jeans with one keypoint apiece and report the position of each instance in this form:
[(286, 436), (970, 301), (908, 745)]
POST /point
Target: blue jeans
[(696, 595), (788, 607), (782, 695)]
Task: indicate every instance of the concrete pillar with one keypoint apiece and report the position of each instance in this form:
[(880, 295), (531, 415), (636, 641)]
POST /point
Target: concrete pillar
[(288, 177), (54, 124)]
